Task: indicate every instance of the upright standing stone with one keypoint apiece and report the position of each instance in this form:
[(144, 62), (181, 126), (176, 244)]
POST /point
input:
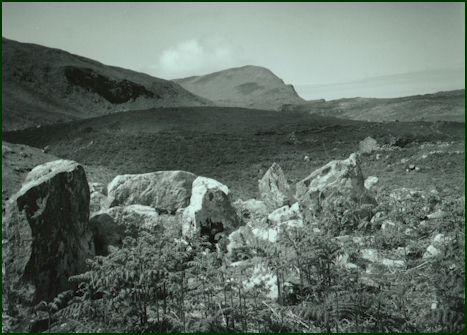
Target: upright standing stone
[(48, 237)]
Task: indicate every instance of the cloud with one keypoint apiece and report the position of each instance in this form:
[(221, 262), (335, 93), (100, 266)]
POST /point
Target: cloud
[(193, 57)]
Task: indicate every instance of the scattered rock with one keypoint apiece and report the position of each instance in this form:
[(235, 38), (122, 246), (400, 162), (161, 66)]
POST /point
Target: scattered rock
[(439, 242), (373, 256), (411, 167), (404, 160), (273, 188), (166, 191), (339, 177), (284, 214), (370, 182), (437, 215), (378, 157), (48, 237), (210, 211), (251, 210), (240, 241), (368, 145), (417, 169), (306, 159), (388, 225)]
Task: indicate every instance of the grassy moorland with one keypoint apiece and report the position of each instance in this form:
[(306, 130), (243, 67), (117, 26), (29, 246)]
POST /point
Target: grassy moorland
[(236, 146)]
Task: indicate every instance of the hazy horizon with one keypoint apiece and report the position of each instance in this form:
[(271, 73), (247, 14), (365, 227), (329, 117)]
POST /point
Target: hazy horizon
[(326, 50)]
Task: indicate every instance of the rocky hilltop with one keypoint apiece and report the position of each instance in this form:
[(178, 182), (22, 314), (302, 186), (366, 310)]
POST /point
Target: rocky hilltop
[(43, 85), (247, 86)]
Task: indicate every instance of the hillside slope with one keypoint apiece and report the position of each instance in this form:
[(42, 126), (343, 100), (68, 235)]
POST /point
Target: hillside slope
[(43, 85), (441, 106), (247, 86), (236, 146)]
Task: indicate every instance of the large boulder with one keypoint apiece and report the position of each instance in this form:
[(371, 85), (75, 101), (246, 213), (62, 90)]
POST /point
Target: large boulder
[(166, 191), (337, 178), (110, 226), (210, 211), (273, 188), (48, 237)]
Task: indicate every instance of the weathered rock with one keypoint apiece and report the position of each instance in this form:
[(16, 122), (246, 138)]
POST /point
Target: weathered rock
[(97, 187), (339, 177), (374, 257), (370, 182), (437, 215), (97, 202), (48, 237), (110, 226), (388, 225), (251, 210), (240, 242), (166, 191), (368, 145), (210, 211), (273, 188), (284, 214), (438, 244)]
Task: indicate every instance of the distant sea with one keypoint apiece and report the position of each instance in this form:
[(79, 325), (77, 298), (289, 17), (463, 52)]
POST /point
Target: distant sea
[(391, 86)]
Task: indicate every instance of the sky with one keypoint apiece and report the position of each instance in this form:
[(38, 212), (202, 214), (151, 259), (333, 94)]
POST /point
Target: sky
[(326, 50)]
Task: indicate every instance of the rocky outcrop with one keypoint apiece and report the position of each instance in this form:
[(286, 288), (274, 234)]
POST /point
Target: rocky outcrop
[(110, 226), (166, 191), (273, 188), (48, 237), (337, 178), (210, 211)]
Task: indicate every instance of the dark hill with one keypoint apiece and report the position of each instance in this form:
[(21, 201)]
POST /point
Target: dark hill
[(43, 85)]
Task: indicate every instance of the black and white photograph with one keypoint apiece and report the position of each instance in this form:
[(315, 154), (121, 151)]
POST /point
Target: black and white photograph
[(233, 167)]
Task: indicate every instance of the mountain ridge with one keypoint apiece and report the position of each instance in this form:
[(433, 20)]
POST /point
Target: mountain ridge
[(44, 85), (248, 86)]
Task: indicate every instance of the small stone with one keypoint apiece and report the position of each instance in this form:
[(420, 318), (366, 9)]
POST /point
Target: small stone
[(404, 160), (417, 168), (436, 215), (370, 182), (411, 167)]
